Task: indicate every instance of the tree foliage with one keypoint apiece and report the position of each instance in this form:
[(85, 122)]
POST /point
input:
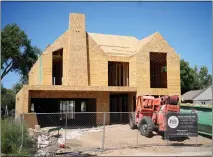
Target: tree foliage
[(193, 78), (18, 54)]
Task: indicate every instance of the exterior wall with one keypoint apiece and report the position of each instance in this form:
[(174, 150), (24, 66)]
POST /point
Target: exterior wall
[(118, 58), (22, 101), (132, 72), (41, 72), (102, 99), (78, 71), (157, 44), (34, 74), (98, 64)]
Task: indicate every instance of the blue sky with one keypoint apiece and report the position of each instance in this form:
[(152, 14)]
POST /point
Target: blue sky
[(187, 26)]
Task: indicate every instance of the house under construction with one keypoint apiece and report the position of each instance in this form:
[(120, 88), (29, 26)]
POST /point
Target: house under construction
[(91, 72)]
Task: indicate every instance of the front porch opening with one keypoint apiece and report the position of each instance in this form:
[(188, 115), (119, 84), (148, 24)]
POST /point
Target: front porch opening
[(158, 70)]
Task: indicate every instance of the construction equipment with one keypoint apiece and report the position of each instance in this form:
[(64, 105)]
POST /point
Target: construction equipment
[(151, 113)]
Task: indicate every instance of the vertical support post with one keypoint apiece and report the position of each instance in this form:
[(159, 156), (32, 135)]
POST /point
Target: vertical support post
[(165, 122), (103, 136), (128, 74), (65, 134)]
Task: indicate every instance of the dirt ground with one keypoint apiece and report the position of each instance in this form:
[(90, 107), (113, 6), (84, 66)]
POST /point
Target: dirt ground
[(121, 140)]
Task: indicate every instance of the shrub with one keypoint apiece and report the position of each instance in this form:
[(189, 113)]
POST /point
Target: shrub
[(11, 138)]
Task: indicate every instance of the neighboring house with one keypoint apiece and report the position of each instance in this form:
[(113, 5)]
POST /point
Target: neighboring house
[(204, 97), (189, 96), (92, 72)]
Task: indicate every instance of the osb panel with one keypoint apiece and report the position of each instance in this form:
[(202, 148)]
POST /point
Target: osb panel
[(47, 62), (19, 101), (22, 100), (132, 72), (158, 44), (47, 69), (78, 72), (34, 74), (117, 58), (98, 64), (82, 88)]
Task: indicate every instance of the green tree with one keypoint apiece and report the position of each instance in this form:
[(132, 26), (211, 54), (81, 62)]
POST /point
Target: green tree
[(193, 78), (7, 98), (204, 78), (17, 53), (187, 76)]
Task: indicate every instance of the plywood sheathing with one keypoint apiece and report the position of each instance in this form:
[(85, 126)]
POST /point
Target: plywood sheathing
[(157, 44), (22, 101), (115, 45), (46, 59), (98, 64), (82, 88)]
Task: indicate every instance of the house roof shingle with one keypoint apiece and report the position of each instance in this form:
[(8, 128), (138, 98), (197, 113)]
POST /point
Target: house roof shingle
[(205, 94)]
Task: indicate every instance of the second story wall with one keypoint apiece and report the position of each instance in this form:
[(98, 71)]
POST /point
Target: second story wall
[(158, 45), (41, 72), (98, 64)]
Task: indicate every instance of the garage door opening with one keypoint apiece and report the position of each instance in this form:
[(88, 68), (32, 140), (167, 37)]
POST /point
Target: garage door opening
[(55, 112), (158, 70)]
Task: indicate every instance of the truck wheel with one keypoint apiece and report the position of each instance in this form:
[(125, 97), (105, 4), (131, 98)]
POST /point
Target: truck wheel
[(132, 121), (146, 126)]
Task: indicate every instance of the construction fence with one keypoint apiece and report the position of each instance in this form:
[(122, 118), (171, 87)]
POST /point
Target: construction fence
[(79, 132)]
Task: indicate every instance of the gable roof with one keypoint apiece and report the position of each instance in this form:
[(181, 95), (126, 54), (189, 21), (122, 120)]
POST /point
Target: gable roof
[(190, 94), (119, 45), (205, 94), (115, 44)]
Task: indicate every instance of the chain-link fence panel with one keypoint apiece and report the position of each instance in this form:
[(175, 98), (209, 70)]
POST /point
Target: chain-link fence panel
[(118, 133), (84, 131)]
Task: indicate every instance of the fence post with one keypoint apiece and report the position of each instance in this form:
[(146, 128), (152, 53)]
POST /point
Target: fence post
[(22, 133), (165, 136), (65, 130), (103, 136)]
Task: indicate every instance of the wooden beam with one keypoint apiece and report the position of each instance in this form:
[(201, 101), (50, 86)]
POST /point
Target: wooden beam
[(127, 75), (116, 71), (124, 74), (119, 65)]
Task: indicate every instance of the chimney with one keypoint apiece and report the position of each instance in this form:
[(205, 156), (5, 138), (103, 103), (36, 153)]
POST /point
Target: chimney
[(78, 73)]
